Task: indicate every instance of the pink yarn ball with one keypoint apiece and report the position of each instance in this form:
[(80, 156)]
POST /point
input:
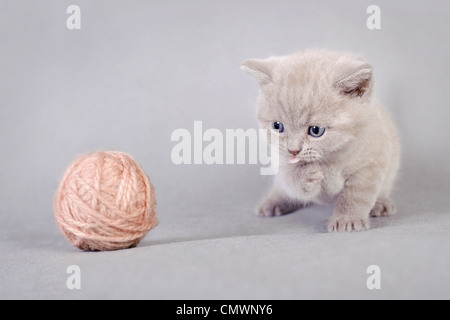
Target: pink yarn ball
[(105, 202)]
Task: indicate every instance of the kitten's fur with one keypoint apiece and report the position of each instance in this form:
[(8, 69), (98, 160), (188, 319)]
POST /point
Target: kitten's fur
[(353, 165)]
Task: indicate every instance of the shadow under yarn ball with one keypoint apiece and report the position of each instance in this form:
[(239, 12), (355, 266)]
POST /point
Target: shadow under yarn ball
[(105, 202)]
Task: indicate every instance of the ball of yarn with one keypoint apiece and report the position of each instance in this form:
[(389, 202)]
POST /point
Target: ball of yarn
[(105, 202)]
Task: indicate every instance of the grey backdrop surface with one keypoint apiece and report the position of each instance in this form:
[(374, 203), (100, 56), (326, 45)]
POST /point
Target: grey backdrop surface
[(136, 71)]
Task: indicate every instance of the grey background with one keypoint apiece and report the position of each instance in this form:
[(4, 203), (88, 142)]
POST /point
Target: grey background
[(136, 71)]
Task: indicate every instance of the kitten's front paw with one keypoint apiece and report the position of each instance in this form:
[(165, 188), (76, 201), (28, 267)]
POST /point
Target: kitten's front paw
[(275, 208), (345, 223), (311, 181)]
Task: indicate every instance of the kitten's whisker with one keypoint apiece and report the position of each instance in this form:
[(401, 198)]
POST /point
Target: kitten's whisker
[(322, 163)]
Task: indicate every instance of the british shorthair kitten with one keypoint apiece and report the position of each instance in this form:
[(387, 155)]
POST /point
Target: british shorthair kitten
[(338, 145)]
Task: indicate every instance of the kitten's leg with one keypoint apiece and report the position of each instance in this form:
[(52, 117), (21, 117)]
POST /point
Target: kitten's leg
[(382, 208), (356, 201), (310, 182), (277, 204)]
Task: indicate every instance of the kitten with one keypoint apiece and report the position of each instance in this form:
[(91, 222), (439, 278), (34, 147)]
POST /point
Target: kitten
[(338, 146)]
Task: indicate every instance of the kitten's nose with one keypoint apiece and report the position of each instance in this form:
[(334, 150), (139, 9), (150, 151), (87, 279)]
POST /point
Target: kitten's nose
[(294, 152)]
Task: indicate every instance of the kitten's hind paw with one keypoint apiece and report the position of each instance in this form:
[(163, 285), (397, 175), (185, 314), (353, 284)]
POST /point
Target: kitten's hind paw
[(344, 223), (382, 208)]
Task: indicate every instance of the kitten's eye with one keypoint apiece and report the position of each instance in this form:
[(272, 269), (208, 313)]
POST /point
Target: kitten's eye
[(278, 126), (316, 131)]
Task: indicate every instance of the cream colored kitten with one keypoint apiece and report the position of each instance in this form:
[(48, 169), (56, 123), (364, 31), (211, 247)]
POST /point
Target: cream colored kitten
[(337, 144)]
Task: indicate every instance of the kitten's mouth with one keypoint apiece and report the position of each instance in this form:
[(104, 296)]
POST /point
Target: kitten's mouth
[(294, 159)]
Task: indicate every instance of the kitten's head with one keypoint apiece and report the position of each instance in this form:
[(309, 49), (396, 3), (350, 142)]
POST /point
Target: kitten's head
[(316, 101)]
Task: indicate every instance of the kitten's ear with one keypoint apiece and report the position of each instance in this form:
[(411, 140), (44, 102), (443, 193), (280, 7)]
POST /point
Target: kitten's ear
[(356, 81), (261, 70)]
